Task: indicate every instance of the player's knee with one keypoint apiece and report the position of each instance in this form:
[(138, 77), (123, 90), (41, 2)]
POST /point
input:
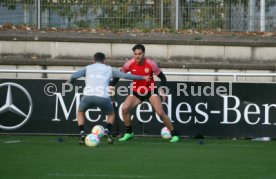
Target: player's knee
[(125, 110)]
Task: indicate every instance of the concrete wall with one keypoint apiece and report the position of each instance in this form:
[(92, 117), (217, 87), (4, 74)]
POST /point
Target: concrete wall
[(116, 50), (173, 52)]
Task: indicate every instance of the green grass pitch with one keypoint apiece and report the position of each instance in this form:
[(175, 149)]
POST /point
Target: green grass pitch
[(48, 157)]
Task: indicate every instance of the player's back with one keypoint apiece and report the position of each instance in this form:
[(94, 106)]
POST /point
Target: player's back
[(97, 80)]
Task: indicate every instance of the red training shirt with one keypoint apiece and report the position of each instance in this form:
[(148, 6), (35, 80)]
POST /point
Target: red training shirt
[(148, 68)]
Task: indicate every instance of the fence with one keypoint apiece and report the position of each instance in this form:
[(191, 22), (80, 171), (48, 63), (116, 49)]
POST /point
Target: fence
[(214, 15)]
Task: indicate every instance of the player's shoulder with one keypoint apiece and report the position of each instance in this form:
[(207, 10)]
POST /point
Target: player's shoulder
[(150, 61), (108, 66), (89, 66), (98, 66), (129, 62)]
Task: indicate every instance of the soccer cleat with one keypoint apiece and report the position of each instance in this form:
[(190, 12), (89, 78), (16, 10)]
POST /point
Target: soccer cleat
[(127, 136), (110, 138), (82, 137), (174, 139)]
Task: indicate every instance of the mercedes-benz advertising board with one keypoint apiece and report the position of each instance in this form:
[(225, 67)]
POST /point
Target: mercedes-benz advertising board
[(215, 109)]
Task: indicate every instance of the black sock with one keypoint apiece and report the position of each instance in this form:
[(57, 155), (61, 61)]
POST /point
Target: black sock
[(173, 133), (128, 129), (109, 127), (81, 128)]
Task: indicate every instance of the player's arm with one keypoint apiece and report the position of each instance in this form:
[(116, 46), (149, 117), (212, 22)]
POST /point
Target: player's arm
[(163, 78), (157, 71), (124, 69), (77, 75), (118, 74)]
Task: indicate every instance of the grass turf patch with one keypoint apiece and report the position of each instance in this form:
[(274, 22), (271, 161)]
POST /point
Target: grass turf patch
[(62, 157)]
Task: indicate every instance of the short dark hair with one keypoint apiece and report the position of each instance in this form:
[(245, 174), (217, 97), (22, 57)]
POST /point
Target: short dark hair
[(99, 57), (139, 46)]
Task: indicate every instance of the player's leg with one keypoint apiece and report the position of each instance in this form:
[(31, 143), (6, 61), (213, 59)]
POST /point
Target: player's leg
[(155, 101), (105, 104), (109, 126), (158, 108), (130, 102), (81, 118)]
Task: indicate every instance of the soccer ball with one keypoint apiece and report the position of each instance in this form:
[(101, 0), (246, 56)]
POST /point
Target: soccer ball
[(92, 140), (98, 130), (165, 133)]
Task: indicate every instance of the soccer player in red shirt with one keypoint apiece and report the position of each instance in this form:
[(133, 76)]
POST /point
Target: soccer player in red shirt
[(143, 90)]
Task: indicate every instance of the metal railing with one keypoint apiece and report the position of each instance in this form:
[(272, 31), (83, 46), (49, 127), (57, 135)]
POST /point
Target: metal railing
[(235, 76), (214, 15)]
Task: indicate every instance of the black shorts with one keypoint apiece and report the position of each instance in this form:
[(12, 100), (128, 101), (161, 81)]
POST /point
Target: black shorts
[(144, 97)]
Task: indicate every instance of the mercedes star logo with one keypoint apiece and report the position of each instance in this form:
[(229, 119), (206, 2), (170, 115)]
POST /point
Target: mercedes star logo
[(9, 106)]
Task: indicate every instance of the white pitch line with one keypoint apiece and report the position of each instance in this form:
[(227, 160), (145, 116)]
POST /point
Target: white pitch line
[(97, 175), (12, 142)]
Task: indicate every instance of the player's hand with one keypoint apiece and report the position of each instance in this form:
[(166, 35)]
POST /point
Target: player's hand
[(147, 78)]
